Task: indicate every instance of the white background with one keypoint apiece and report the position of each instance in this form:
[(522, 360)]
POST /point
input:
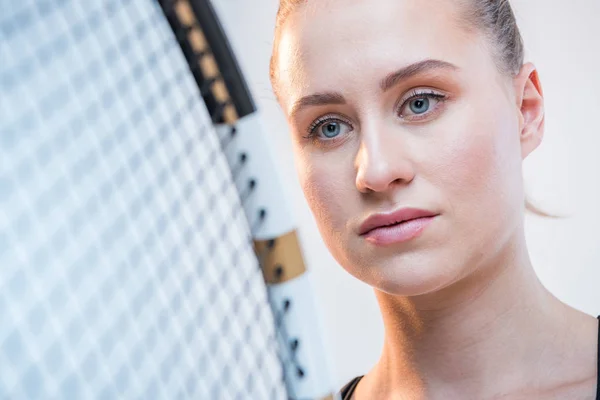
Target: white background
[(562, 176)]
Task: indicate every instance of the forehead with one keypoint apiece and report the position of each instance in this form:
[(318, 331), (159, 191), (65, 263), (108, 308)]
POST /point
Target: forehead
[(344, 44)]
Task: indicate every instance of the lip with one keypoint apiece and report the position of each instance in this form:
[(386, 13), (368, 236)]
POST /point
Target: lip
[(396, 226)]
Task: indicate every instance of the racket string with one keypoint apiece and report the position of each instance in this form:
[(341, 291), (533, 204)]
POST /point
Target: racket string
[(287, 346)]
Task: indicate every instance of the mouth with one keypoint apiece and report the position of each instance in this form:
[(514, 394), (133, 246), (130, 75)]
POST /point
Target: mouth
[(397, 226)]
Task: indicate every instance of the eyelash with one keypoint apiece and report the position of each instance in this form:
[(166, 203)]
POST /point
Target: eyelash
[(419, 94), (321, 120)]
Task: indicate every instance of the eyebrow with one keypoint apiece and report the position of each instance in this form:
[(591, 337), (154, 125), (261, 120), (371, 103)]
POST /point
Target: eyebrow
[(391, 80), (317, 99), (414, 69)]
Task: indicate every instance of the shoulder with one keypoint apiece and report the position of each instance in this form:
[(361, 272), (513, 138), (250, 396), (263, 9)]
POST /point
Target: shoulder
[(584, 390)]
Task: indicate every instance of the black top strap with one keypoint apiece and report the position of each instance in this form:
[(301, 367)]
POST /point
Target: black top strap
[(348, 390)]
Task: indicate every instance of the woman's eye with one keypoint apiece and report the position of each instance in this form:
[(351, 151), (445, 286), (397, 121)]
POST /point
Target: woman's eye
[(420, 104), (330, 129)]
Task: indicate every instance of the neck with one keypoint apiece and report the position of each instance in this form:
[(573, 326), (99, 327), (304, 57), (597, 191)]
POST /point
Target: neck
[(472, 338)]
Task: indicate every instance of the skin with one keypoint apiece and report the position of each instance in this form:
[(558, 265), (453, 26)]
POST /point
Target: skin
[(465, 315)]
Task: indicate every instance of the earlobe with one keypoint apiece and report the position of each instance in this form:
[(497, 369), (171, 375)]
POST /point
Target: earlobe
[(530, 101)]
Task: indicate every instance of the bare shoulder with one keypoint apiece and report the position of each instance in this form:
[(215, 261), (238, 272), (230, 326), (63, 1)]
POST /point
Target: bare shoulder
[(584, 366), (581, 390), (585, 390), (576, 369), (570, 370)]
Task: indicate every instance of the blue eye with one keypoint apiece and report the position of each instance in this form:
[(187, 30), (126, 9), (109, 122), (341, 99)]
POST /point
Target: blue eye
[(330, 129), (419, 105)]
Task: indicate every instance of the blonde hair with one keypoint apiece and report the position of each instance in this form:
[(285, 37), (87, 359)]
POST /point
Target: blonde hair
[(495, 18)]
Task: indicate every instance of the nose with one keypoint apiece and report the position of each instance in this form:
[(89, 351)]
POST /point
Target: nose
[(382, 162)]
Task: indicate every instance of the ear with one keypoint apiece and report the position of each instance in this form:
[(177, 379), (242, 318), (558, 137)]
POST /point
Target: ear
[(530, 103)]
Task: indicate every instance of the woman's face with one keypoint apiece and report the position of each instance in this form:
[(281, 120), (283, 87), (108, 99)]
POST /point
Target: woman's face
[(392, 105)]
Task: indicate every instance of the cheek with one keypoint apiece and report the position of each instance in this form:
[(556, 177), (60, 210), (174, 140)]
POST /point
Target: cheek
[(466, 166), (479, 166), (326, 189)]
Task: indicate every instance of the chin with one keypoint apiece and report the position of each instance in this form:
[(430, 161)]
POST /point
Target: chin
[(408, 273)]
